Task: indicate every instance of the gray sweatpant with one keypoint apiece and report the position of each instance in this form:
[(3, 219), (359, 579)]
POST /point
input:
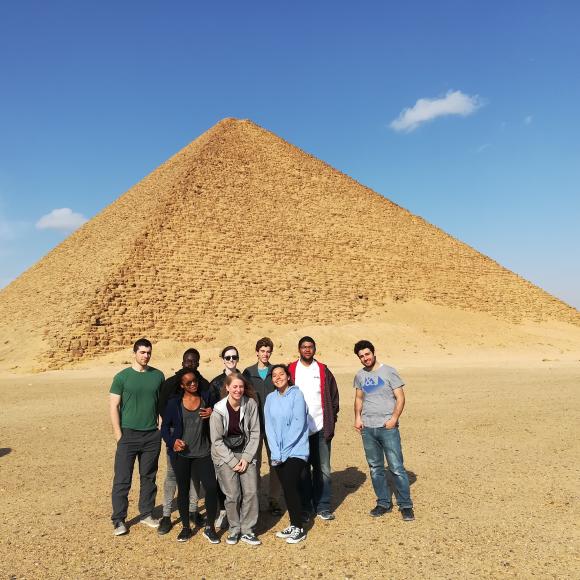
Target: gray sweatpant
[(241, 491), (170, 486)]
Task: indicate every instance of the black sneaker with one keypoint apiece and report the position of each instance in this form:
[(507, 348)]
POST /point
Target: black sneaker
[(285, 533), (326, 515), (380, 510), (233, 539), (250, 539), (164, 525), (184, 535), (275, 508), (197, 519), (210, 535), (408, 514), (297, 535)]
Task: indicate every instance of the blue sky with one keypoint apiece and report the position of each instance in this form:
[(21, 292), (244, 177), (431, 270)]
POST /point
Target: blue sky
[(94, 95)]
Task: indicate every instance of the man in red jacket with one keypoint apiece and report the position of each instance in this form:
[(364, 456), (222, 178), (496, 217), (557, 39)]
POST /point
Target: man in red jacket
[(318, 386)]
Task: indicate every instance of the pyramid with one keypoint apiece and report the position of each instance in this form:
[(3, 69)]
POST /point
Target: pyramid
[(242, 227)]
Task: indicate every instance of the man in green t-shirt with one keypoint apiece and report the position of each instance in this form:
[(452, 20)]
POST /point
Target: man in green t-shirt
[(133, 399)]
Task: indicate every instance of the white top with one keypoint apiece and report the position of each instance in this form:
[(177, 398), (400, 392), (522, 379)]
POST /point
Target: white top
[(308, 381)]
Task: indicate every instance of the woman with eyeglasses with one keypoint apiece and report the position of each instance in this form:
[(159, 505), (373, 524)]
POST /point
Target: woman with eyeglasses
[(185, 430), (235, 437), (230, 357), (286, 419)]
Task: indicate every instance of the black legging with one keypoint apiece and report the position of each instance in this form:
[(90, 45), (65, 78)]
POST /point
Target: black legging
[(203, 468), (289, 474)]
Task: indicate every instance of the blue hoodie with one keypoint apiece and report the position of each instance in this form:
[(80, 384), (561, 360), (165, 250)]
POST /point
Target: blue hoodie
[(286, 419)]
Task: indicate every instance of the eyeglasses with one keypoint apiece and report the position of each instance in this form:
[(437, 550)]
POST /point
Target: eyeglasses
[(232, 357)]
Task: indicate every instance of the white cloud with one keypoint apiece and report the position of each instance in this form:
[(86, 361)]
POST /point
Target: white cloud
[(483, 147), (453, 103), (61, 219), (528, 120)]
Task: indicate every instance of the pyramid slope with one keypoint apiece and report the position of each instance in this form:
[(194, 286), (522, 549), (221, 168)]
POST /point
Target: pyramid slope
[(242, 227)]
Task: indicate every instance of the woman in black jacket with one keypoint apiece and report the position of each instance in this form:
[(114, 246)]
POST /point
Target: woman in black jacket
[(185, 430)]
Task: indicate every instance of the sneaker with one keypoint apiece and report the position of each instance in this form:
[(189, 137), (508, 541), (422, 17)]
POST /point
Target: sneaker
[(197, 519), (233, 539), (275, 508), (184, 535), (210, 535), (285, 533), (326, 515), (164, 525), (149, 521), (120, 529), (298, 534), (380, 510), (222, 520), (408, 514), (250, 539)]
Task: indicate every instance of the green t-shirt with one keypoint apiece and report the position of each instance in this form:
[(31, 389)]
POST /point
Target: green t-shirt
[(139, 394)]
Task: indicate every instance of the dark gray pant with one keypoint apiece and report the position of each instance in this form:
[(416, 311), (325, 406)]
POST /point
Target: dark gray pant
[(145, 447)]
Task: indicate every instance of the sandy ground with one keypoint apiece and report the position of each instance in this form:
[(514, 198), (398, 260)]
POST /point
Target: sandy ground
[(492, 453)]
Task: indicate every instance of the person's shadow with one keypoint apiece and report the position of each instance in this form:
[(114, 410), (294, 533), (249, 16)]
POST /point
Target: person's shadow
[(346, 482), (5, 451)]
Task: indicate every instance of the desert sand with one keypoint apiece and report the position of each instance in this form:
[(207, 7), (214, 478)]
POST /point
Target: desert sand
[(491, 443)]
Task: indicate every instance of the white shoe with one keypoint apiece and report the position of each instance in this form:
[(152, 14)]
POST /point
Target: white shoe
[(149, 521), (120, 529)]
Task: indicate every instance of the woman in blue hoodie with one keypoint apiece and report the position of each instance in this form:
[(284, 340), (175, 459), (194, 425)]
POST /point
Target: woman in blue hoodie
[(286, 419), (185, 430)]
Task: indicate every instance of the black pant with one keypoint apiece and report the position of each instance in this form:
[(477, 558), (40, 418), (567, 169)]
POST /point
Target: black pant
[(289, 474), (145, 447), (202, 467)]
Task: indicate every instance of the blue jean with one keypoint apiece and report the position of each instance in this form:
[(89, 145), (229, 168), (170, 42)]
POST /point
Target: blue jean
[(315, 486), (379, 443)]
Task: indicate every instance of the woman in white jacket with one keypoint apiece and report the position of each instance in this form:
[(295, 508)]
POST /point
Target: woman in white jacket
[(235, 436)]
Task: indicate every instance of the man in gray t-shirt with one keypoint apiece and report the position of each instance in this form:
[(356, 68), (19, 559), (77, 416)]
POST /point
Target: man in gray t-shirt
[(378, 404)]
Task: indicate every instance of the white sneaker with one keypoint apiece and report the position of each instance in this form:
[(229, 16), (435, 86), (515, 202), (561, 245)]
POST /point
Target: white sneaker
[(149, 521), (120, 529)]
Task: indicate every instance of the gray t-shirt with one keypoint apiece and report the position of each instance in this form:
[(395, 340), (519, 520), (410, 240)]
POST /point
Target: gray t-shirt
[(194, 434), (379, 400)]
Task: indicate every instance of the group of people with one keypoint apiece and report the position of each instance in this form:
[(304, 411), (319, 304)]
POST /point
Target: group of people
[(215, 433)]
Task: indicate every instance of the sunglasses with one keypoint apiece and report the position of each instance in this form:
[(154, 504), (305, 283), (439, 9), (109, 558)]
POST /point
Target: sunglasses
[(232, 357)]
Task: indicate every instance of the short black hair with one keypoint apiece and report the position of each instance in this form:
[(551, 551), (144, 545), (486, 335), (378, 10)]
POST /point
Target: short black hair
[(192, 351), (142, 342), (266, 341), (229, 348), (362, 344), (306, 339)]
